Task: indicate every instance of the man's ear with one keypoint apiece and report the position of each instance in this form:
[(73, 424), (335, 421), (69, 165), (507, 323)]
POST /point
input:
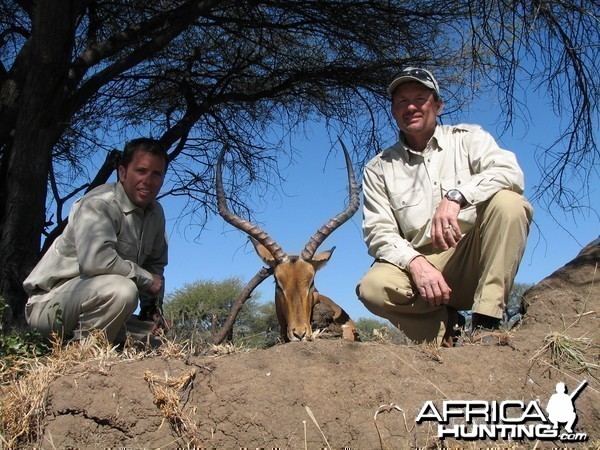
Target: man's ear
[(439, 107)]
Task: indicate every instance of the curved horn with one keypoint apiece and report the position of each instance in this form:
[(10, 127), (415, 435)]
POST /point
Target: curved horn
[(241, 224), (330, 226)]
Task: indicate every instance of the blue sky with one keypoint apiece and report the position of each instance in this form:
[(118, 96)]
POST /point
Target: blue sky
[(316, 189)]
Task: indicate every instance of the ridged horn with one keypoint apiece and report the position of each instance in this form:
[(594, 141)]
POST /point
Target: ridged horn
[(331, 225), (246, 226)]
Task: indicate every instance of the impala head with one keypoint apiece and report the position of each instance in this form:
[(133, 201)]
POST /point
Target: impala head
[(295, 291)]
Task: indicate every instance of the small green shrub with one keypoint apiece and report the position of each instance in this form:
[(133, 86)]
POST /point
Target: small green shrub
[(17, 342)]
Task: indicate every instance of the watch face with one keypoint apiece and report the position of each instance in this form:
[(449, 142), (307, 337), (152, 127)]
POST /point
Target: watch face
[(454, 195)]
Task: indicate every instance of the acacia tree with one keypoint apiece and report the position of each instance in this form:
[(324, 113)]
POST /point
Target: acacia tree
[(79, 79), (200, 309)]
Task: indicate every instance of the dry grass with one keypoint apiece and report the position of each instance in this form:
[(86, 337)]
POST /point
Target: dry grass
[(24, 386), (314, 419), (569, 352), (499, 337), (431, 351), (576, 354), (381, 335), (227, 348), (388, 409), (24, 382), (167, 396)]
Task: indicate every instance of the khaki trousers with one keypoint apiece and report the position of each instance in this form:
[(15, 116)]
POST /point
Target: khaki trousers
[(82, 304), (480, 271)]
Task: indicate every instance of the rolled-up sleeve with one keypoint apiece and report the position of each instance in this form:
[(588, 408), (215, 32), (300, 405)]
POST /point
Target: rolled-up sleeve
[(380, 228)]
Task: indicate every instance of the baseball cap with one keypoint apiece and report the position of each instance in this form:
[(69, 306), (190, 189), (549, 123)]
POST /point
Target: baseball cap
[(423, 76)]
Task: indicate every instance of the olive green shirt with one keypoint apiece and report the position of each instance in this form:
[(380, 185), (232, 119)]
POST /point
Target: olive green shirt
[(106, 234)]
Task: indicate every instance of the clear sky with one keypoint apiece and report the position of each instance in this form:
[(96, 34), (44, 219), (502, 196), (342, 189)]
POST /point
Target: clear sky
[(316, 190)]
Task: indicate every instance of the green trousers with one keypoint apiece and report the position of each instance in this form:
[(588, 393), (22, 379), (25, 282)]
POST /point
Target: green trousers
[(75, 307)]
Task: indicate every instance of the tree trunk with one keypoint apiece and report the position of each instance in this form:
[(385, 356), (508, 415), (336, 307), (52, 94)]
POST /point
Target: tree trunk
[(27, 158)]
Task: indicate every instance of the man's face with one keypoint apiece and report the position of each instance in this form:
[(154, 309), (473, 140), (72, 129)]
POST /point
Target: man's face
[(143, 177), (415, 109)]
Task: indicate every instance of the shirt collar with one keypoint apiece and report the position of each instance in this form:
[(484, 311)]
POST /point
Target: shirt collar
[(433, 144), (437, 140), (126, 204)]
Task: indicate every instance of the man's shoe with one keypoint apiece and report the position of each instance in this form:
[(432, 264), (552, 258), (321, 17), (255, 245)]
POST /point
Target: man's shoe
[(485, 322), (485, 329), (455, 325)]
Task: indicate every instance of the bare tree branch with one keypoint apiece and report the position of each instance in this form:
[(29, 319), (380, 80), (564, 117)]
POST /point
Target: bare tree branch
[(260, 276)]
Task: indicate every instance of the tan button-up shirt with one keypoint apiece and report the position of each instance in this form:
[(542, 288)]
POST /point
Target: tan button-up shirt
[(106, 234), (402, 188)]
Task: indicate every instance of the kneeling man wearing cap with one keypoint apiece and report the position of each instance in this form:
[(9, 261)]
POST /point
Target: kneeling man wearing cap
[(444, 219)]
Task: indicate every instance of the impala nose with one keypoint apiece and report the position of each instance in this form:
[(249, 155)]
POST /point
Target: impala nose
[(299, 335)]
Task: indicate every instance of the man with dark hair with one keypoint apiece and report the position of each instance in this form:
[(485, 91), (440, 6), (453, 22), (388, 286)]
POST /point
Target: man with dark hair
[(112, 252), (444, 219)]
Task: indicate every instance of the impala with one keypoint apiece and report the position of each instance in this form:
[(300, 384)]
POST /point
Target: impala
[(295, 292)]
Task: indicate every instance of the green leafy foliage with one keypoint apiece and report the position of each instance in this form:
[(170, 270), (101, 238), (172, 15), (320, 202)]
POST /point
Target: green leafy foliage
[(17, 342), (199, 310), (379, 330), (515, 298)]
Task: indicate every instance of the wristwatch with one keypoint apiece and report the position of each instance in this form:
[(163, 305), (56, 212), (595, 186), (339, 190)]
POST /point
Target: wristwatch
[(455, 196)]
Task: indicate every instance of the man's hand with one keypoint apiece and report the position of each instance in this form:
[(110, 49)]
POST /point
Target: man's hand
[(429, 281), (445, 232), (161, 325), (157, 284), (151, 312)]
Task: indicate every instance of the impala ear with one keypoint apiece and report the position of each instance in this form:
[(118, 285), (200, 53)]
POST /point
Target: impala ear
[(263, 253), (320, 259)]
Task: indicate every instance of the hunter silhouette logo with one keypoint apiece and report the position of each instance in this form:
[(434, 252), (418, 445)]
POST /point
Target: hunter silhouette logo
[(508, 419), (561, 407)]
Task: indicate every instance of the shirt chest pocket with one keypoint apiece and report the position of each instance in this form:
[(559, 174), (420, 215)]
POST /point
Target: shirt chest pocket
[(410, 210), (463, 176), (147, 246), (127, 248)]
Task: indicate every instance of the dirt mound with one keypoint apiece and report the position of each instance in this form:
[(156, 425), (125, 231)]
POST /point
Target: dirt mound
[(331, 392)]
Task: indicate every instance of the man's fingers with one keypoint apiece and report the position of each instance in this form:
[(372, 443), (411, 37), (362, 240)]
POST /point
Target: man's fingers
[(445, 231), (436, 293), (430, 282), (449, 234), (438, 236)]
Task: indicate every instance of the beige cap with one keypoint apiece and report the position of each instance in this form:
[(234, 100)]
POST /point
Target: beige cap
[(423, 76)]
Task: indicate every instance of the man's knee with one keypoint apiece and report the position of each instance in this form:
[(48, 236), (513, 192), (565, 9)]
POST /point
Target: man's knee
[(127, 292), (384, 285), (510, 206), (120, 290), (365, 287), (371, 289)]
